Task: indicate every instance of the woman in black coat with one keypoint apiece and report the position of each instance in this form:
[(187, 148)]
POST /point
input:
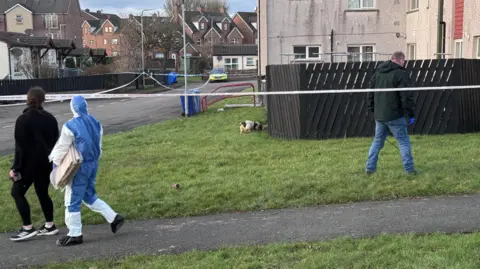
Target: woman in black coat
[(36, 132)]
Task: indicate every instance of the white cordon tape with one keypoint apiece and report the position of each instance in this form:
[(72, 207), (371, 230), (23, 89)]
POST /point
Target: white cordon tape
[(116, 96)]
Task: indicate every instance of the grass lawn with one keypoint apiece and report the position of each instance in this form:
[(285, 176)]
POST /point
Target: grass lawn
[(220, 170), (386, 252)]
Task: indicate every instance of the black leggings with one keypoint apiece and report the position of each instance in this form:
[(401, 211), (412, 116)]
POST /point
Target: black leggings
[(41, 184)]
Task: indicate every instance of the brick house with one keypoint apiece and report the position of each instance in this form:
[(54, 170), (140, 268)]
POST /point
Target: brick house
[(247, 23), (102, 31), (207, 29), (54, 19)]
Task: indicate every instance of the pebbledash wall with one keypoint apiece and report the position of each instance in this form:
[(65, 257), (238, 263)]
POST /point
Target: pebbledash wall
[(289, 23)]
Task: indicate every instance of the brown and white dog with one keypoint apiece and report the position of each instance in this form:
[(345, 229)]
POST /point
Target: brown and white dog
[(249, 126)]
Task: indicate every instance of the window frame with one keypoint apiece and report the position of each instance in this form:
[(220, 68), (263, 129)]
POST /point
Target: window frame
[(230, 64), (361, 53), (307, 54), (252, 60), (361, 4), (413, 7), (458, 41), (477, 45), (409, 56), (19, 16)]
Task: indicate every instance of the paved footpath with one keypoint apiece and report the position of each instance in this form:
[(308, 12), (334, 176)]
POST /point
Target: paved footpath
[(439, 214)]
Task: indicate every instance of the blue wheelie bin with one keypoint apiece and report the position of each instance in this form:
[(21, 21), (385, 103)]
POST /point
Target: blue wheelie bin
[(193, 103)]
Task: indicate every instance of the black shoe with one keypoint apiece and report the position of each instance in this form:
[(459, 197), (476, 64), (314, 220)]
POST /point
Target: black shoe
[(117, 223), (66, 241), (369, 172), (413, 173), (24, 234), (47, 231)]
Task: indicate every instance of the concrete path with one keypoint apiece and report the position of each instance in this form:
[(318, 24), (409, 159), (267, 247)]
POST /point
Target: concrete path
[(440, 214)]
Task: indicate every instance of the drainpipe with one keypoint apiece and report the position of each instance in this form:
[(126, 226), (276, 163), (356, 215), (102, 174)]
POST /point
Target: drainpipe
[(331, 46), (440, 30)]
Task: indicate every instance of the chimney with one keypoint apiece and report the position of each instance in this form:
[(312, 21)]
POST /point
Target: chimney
[(222, 10), (108, 17), (87, 10), (99, 12)]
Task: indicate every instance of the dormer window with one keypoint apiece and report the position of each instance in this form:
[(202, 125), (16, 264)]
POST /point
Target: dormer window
[(202, 26), (225, 27)]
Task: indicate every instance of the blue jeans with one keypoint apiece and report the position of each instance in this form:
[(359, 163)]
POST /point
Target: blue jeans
[(399, 130)]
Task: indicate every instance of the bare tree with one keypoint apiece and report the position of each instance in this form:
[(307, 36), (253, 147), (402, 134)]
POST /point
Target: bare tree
[(192, 5), (160, 34)]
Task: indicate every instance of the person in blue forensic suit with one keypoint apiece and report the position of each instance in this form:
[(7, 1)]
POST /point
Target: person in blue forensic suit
[(86, 133)]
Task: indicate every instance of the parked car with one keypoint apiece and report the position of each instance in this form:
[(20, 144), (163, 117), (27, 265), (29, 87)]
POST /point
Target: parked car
[(218, 74)]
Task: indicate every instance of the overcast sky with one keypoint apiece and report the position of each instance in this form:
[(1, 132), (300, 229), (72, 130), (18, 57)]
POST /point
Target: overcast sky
[(125, 7)]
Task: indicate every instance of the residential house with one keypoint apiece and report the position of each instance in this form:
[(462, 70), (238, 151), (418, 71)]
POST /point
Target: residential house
[(25, 55), (235, 57), (102, 31), (207, 29), (42, 18), (326, 31), (247, 23)]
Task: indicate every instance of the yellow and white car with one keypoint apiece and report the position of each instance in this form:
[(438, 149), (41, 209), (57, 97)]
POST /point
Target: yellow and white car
[(218, 74)]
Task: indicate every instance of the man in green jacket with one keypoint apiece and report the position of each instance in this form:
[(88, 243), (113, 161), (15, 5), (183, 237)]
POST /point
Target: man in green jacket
[(390, 110)]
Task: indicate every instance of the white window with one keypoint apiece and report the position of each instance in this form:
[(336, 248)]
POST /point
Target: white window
[(105, 42), (114, 41), (413, 4), (477, 45), (202, 26), (411, 51), (307, 52), (250, 62), (85, 30), (110, 29), (19, 19), (225, 27), (51, 21), (92, 42), (231, 63), (360, 53), (234, 41), (355, 4), (458, 48)]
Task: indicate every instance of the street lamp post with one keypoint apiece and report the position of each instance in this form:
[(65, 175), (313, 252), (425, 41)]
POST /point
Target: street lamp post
[(185, 57), (143, 56)]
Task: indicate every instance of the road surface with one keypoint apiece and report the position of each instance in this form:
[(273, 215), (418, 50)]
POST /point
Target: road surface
[(116, 114)]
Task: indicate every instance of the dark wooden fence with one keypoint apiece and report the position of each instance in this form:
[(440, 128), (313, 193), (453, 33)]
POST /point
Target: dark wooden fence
[(68, 84), (332, 115)]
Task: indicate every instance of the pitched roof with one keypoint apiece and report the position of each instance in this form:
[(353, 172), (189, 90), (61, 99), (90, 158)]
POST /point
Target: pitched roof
[(235, 50), (64, 43), (195, 16), (249, 17), (113, 18), (37, 6)]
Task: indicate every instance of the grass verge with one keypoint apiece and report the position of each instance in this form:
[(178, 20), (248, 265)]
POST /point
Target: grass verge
[(392, 252), (220, 170)]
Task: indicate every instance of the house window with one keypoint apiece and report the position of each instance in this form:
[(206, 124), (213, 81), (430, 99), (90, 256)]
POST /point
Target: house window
[(19, 19), (306, 52), (231, 63), (92, 42), (199, 41), (105, 42), (413, 4), (361, 53), (85, 30), (225, 27), (114, 41), (411, 51), (51, 21), (202, 26), (234, 41), (110, 29), (114, 53), (222, 41), (477, 45), (250, 62), (458, 48), (356, 4)]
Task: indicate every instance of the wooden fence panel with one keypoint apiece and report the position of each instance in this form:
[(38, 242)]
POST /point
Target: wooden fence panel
[(334, 115)]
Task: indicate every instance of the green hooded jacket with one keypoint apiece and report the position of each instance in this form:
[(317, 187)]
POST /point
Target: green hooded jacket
[(388, 106)]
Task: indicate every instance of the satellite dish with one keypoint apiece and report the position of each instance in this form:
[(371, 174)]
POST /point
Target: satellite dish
[(16, 52)]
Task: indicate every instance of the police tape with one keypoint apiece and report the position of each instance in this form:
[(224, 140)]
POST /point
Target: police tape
[(246, 93)]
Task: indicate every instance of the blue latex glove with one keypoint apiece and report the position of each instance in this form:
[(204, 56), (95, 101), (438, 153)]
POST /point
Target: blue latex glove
[(54, 165), (411, 121)]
